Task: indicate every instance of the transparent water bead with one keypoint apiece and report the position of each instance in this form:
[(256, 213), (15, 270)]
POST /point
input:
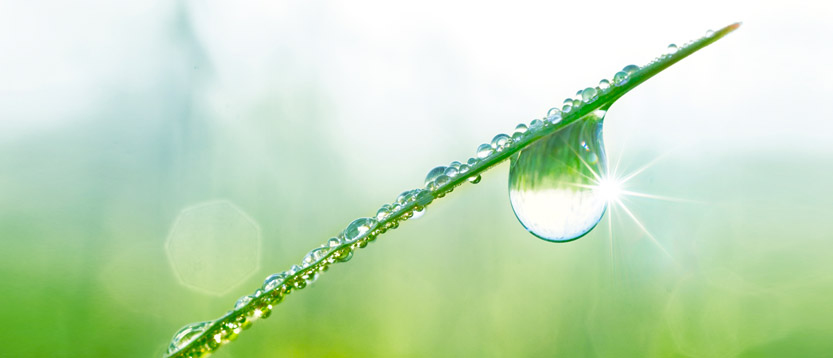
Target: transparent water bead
[(484, 151), (358, 228), (620, 78), (187, 334), (242, 302), (554, 115), (553, 182), (672, 49), (630, 69), (589, 94), (522, 128), (273, 281), (500, 141), (433, 174)]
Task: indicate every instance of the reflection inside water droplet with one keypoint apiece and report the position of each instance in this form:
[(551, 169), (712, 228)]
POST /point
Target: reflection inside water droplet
[(553, 182), (187, 334)]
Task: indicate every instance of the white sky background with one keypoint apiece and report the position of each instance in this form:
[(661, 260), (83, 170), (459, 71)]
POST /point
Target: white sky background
[(442, 76)]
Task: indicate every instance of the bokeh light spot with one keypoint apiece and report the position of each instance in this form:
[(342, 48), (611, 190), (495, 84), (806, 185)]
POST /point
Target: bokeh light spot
[(213, 246)]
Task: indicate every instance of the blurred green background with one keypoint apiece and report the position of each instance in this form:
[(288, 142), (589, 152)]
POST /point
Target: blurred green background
[(255, 130)]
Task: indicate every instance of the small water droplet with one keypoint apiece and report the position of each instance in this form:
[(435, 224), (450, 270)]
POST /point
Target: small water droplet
[(475, 179), (383, 212), (522, 128), (404, 197), (473, 161), (672, 49), (442, 180), (187, 334), (243, 301), (273, 281), (433, 174), (451, 172), (554, 115), (604, 85), (620, 78), (552, 182), (314, 255), (293, 270), (455, 164), (358, 229), (500, 141), (630, 69), (424, 197), (418, 213), (346, 254), (464, 168), (567, 108), (536, 125), (709, 33), (589, 94), (334, 242), (484, 151)]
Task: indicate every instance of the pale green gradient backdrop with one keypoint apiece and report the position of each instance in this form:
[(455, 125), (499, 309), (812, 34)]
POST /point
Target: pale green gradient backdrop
[(306, 115)]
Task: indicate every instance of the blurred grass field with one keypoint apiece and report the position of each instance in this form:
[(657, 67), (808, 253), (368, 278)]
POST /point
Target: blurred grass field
[(305, 117)]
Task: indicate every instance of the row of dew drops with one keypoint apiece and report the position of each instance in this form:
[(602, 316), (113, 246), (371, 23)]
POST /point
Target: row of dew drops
[(410, 204)]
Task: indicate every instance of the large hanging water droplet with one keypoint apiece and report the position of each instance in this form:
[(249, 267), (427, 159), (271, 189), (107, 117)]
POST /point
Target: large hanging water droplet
[(553, 182), (187, 334)]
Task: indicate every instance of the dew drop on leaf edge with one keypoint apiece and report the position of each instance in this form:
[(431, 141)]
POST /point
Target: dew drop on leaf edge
[(552, 183)]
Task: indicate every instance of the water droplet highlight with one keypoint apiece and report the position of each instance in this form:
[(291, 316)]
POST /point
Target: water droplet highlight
[(620, 78), (475, 179), (187, 334), (588, 95), (243, 301), (672, 49), (553, 182), (500, 141), (630, 69), (433, 174), (358, 228), (484, 151), (273, 281)]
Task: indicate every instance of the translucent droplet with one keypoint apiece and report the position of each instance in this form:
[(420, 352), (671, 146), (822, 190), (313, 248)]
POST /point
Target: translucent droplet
[(567, 108), (536, 125), (473, 161), (314, 255), (243, 301), (273, 281), (517, 137), (334, 242), (383, 212), (500, 141), (455, 164), (709, 33), (484, 150), (433, 174), (187, 334), (424, 197), (451, 172), (630, 69), (553, 182), (620, 78), (604, 85), (418, 213), (404, 196), (358, 229), (442, 180), (522, 128), (672, 49), (588, 95), (464, 168), (475, 179), (554, 115)]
